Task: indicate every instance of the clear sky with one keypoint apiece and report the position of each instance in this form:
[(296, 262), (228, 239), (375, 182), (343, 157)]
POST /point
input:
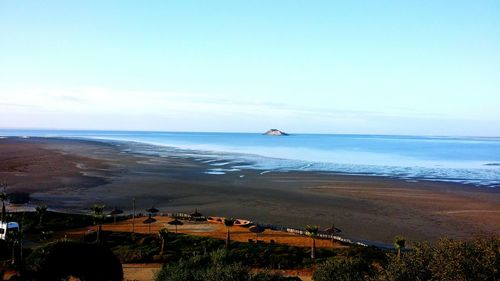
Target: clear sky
[(374, 67)]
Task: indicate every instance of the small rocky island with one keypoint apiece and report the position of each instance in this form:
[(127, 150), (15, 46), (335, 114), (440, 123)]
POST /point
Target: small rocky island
[(275, 132)]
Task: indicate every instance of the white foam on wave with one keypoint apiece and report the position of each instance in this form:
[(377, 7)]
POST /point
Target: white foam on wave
[(220, 163), (485, 177), (208, 161), (214, 173), (221, 171)]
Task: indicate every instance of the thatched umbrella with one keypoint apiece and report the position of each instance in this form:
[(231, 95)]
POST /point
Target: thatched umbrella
[(256, 229), (175, 222), (115, 212), (228, 223), (152, 210), (332, 230), (149, 221)]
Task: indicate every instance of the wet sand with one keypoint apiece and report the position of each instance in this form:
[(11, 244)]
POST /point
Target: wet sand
[(74, 174)]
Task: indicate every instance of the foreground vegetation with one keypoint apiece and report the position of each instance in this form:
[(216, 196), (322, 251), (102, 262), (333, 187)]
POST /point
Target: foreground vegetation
[(194, 258), (447, 260), (215, 266)]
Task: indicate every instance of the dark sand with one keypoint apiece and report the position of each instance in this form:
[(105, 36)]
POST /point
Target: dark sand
[(74, 174)]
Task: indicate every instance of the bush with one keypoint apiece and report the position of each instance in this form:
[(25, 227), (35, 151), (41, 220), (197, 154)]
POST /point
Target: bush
[(215, 266), (266, 276), (341, 269), (448, 260)]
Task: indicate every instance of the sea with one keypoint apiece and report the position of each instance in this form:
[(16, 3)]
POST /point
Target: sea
[(466, 160)]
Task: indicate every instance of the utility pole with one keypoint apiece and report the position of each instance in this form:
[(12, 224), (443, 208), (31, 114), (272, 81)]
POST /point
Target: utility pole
[(133, 215)]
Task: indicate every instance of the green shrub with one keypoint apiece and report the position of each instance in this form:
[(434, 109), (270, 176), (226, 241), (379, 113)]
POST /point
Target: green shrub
[(341, 269), (215, 266), (448, 260)]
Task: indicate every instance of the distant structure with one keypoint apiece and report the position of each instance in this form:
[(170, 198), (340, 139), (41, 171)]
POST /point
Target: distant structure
[(275, 132)]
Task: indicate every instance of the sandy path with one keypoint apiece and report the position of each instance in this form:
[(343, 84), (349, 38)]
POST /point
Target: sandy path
[(218, 231)]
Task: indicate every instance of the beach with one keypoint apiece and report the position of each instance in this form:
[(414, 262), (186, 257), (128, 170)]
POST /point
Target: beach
[(71, 175)]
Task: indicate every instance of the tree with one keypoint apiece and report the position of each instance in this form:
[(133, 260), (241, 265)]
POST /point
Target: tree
[(3, 198), (40, 212), (477, 259), (399, 243), (312, 231), (62, 259), (412, 266), (98, 214), (163, 234), (228, 223)]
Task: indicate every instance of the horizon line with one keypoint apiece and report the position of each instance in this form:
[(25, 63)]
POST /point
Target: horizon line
[(245, 132)]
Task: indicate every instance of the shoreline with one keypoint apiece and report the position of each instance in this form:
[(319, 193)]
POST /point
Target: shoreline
[(243, 166), (240, 161), (479, 173), (373, 208)]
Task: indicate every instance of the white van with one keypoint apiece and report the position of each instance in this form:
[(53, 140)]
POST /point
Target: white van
[(8, 229)]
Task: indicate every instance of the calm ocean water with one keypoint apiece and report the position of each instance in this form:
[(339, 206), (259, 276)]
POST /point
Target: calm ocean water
[(471, 160)]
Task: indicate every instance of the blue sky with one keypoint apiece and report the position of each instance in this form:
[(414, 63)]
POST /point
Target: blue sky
[(374, 67)]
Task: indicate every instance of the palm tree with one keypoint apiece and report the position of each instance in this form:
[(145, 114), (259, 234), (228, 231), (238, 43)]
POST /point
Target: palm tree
[(40, 212), (163, 234), (228, 223), (3, 198), (312, 231), (399, 243), (98, 213)]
